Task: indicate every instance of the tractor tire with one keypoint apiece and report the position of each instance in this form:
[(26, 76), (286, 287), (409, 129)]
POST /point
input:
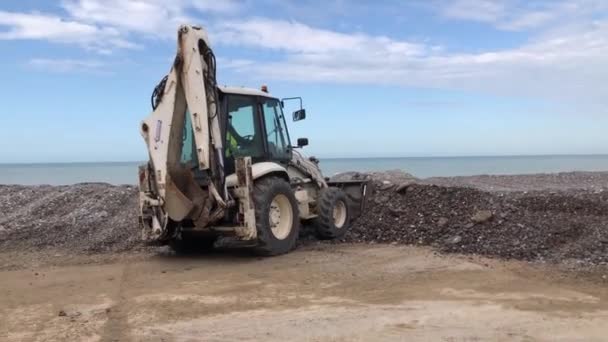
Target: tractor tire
[(188, 244), (276, 216), (334, 214)]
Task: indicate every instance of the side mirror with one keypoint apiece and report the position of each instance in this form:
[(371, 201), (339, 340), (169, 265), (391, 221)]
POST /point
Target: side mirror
[(302, 142), (299, 115)]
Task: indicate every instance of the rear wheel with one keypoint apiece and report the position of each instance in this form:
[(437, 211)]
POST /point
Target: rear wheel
[(276, 215), (334, 216)]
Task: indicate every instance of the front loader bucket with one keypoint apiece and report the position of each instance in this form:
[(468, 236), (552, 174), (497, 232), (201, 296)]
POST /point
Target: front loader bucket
[(357, 191)]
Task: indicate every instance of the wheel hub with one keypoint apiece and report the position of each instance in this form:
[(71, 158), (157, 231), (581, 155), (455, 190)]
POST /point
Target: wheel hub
[(339, 214), (280, 216)]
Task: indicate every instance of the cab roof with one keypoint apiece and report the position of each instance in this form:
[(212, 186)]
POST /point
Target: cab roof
[(243, 91)]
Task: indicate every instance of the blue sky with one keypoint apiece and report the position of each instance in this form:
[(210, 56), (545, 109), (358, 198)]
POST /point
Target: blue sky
[(392, 78)]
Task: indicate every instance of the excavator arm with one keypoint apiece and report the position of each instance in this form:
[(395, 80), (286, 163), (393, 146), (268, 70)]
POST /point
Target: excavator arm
[(174, 187)]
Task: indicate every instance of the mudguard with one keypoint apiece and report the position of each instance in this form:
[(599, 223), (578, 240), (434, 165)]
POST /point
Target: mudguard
[(259, 170)]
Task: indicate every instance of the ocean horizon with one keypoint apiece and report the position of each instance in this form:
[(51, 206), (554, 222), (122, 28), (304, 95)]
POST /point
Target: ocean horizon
[(423, 167)]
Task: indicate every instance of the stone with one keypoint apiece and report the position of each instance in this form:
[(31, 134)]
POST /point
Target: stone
[(402, 188), (386, 186), (482, 216), (394, 212), (455, 239)]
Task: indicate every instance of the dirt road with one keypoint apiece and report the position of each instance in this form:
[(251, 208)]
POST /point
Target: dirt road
[(317, 293)]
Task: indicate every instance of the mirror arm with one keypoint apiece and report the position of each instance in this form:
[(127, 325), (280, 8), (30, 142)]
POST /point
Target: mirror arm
[(291, 98)]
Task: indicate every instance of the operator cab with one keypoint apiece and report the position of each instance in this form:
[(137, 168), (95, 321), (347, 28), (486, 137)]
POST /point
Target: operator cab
[(253, 125)]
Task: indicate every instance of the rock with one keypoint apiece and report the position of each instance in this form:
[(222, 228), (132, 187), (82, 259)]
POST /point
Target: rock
[(386, 186), (442, 222), (455, 239), (381, 199), (401, 188), (482, 216), (62, 313), (394, 212)]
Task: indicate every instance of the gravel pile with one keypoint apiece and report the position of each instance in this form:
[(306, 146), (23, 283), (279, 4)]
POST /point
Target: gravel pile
[(79, 218), (593, 181), (538, 225), (555, 224)]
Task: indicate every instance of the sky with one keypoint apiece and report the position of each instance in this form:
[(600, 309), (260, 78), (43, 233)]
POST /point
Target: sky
[(383, 79)]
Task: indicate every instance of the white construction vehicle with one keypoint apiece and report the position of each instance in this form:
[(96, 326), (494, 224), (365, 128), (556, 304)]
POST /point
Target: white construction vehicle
[(222, 164)]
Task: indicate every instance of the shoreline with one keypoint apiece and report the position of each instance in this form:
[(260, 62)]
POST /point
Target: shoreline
[(587, 180), (125, 172)]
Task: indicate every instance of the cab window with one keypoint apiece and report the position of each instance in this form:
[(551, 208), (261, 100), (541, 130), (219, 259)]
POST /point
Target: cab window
[(243, 136), (188, 156)]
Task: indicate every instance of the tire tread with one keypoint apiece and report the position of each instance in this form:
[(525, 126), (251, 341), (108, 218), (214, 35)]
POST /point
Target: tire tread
[(324, 223), (267, 244)]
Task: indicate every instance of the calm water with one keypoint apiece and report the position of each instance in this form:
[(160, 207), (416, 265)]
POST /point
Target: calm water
[(126, 173)]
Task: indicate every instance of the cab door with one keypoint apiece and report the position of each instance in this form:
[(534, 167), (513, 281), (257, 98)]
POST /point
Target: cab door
[(276, 136), (244, 135)]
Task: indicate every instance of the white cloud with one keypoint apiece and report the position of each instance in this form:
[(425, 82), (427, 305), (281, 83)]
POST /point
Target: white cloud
[(504, 14), (55, 29), (558, 65), (528, 20), (519, 15), (223, 6), (564, 58), (67, 65), (153, 17), (105, 25), (477, 10), (311, 43), (234, 63)]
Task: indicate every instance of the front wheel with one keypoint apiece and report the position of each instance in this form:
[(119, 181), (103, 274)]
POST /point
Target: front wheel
[(334, 216), (276, 215)]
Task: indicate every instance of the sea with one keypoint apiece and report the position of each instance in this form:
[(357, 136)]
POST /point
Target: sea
[(423, 167)]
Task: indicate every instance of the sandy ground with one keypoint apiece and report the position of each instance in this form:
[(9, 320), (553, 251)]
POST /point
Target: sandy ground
[(317, 293)]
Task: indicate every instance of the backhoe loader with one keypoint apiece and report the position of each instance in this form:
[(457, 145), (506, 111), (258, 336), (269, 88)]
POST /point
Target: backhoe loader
[(221, 164)]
